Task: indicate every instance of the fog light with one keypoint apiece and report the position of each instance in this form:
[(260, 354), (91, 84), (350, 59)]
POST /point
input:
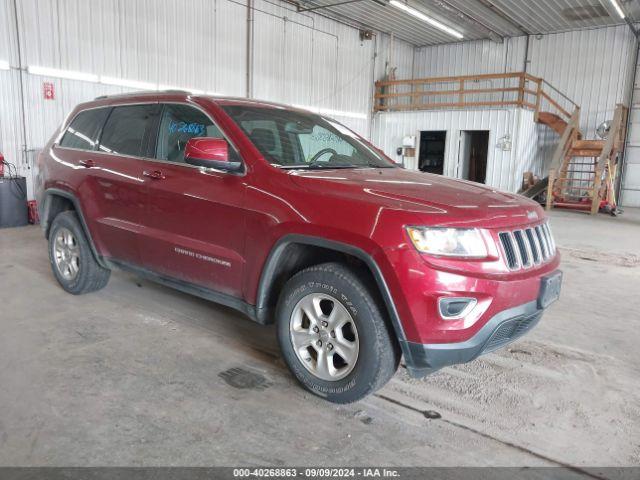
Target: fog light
[(454, 308)]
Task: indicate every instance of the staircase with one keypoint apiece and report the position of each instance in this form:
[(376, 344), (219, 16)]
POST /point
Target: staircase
[(582, 173)]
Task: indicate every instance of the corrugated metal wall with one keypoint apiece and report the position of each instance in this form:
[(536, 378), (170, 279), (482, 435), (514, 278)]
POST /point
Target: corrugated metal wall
[(504, 168), (471, 58), (302, 59), (592, 67), (631, 174)]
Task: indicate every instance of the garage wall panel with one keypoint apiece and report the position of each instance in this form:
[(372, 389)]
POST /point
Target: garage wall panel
[(309, 60), (630, 195), (471, 58), (592, 67)]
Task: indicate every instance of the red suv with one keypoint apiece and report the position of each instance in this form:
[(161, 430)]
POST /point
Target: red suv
[(292, 218)]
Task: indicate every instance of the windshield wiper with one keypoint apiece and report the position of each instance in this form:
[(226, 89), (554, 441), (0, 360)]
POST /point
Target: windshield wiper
[(318, 166)]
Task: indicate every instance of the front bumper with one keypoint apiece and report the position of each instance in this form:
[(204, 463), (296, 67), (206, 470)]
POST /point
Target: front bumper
[(500, 330)]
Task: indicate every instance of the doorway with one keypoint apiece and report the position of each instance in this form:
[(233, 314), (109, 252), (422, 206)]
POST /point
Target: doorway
[(431, 155), (474, 150)]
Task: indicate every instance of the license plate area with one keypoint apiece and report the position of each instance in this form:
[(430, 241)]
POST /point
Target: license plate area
[(550, 287)]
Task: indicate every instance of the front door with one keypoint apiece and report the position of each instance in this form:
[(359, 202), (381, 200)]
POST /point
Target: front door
[(194, 226)]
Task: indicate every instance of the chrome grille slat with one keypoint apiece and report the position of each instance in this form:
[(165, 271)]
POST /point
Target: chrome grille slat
[(509, 249), (528, 247), (543, 243), (522, 248), (533, 243)]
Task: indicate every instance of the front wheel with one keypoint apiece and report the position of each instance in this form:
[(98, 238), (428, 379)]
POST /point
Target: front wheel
[(333, 334)]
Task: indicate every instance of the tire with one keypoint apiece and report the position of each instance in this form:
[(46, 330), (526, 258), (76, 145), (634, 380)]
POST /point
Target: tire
[(71, 258), (318, 297)]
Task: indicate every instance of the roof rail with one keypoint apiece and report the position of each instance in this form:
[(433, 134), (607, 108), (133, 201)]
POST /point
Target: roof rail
[(119, 95)]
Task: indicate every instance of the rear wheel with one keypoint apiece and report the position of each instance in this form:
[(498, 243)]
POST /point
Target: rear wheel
[(72, 261), (333, 334)]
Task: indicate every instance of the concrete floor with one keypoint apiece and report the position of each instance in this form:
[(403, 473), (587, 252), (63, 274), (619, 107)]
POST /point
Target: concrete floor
[(138, 374)]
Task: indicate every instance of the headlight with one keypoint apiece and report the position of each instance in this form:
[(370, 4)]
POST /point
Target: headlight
[(450, 242)]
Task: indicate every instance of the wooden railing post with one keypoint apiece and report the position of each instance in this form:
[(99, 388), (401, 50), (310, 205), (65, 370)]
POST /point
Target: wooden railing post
[(552, 180), (377, 101), (538, 100), (521, 90)]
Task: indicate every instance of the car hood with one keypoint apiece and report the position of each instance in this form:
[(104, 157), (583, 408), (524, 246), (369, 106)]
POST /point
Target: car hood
[(445, 200)]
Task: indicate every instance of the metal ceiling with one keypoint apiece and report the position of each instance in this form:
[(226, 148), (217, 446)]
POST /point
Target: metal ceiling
[(476, 19)]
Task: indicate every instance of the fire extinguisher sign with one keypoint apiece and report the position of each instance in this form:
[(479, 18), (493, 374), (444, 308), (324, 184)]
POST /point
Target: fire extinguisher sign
[(48, 91)]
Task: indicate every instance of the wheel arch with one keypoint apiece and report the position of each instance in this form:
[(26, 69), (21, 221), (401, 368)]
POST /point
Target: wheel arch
[(57, 201), (270, 282)]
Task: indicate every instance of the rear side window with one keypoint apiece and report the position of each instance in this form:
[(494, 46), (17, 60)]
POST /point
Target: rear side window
[(180, 123), (127, 130), (84, 129)]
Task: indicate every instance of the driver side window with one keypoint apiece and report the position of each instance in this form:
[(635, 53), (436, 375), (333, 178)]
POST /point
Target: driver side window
[(321, 139)]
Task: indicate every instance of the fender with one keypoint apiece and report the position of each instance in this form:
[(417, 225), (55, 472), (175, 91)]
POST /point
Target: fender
[(48, 193), (269, 270)]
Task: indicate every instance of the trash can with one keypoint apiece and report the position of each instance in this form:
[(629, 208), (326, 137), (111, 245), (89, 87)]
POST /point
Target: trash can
[(14, 211)]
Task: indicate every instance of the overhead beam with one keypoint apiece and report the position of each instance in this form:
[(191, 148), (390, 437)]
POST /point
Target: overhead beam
[(498, 11), (493, 34), (301, 9)]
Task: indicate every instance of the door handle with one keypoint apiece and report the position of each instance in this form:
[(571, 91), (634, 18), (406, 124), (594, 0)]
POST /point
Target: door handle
[(88, 163), (154, 174)]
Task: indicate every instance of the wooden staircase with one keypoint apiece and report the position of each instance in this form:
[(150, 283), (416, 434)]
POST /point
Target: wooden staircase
[(582, 173)]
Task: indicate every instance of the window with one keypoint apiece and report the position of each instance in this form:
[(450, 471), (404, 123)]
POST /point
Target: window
[(180, 123), (84, 129), (294, 139), (127, 130), (264, 135), (320, 139)]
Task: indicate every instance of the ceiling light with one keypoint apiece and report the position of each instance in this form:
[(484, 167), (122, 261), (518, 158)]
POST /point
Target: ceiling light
[(429, 20), (618, 8), (54, 72), (4, 65), (331, 113), (121, 82)]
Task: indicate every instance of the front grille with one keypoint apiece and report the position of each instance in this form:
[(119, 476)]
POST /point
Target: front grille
[(508, 331), (528, 247)]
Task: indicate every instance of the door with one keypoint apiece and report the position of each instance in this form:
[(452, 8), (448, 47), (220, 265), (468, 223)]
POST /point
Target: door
[(431, 153), (194, 225), (116, 179), (112, 191), (472, 155)]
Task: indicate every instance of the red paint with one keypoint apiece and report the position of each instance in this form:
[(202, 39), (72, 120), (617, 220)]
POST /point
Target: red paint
[(48, 91), (217, 229)]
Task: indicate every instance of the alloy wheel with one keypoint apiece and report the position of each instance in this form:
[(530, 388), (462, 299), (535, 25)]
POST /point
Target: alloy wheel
[(66, 253), (324, 336)]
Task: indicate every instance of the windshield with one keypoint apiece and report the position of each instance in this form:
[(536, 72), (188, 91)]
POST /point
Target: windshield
[(292, 139)]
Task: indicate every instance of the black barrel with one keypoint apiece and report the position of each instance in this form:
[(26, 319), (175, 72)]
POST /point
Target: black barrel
[(14, 211)]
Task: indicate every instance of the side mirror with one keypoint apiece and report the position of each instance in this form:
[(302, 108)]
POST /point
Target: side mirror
[(210, 153)]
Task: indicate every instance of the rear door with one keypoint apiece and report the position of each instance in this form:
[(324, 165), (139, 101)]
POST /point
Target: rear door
[(115, 181), (194, 225)]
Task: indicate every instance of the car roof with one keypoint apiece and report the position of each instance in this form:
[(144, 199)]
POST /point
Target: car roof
[(178, 95)]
